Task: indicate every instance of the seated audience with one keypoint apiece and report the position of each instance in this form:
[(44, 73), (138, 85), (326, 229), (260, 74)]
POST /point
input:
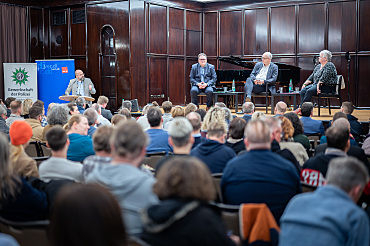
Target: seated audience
[(298, 135), (102, 121), (20, 134), (180, 139), (201, 112), (213, 152), (356, 128), (102, 150), (131, 186), (143, 120), (19, 200), (310, 125), (57, 115), (236, 135), (34, 119), (177, 111), (81, 104), (92, 120), (220, 104), (103, 102), (72, 108), (195, 120), (260, 176), (287, 141), (191, 107), (158, 138), (280, 109), (57, 167), (366, 145), (3, 127), (184, 216), (329, 215), (215, 114), (7, 103), (40, 103), (248, 110), (26, 105), (86, 215), (228, 116), (118, 118), (127, 104), (125, 112), (257, 115), (80, 145), (16, 108)]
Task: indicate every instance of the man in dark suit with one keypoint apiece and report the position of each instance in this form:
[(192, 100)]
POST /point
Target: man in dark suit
[(102, 102), (310, 125), (264, 74), (356, 128), (81, 86), (202, 79)]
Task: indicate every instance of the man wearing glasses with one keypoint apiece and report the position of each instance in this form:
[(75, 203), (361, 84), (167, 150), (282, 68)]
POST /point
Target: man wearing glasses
[(264, 73), (81, 86), (202, 79)]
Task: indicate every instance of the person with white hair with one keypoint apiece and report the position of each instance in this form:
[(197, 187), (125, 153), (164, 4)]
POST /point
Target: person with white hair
[(264, 74)]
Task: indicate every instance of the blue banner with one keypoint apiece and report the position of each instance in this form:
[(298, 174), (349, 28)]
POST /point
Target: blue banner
[(53, 77)]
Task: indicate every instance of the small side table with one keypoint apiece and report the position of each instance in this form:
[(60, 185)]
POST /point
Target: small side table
[(285, 94), (228, 93)]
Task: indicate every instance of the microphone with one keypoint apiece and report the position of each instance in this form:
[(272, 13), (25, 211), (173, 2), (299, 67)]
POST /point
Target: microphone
[(348, 56), (314, 60)]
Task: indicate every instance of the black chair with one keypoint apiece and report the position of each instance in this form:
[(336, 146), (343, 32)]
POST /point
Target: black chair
[(33, 149), (230, 216), (266, 95), (336, 93), (307, 187), (152, 159), (217, 182)]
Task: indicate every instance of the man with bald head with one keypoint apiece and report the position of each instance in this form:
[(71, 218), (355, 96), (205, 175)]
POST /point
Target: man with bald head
[(81, 86), (259, 175), (196, 122), (280, 109)]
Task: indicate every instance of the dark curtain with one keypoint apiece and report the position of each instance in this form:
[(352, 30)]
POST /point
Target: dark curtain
[(13, 38)]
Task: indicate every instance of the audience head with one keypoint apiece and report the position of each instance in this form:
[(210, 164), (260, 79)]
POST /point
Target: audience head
[(73, 108), (348, 174), (228, 115), (191, 107), (326, 54), (8, 101), (101, 139), (118, 118), (280, 108), (16, 107), (167, 107), (50, 106), (20, 132), (35, 113), (91, 116), (195, 121), (155, 104), (103, 101), (178, 111), (338, 137), (39, 103), (339, 115), (220, 104), (129, 141), (217, 131), (96, 107), (154, 116), (127, 104), (3, 111), (58, 115), (236, 128), (56, 138), (180, 132), (186, 178), (296, 122), (27, 104), (146, 108), (80, 101), (275, 126), (215, 114), (257, 115), (78, 123), (287, 128), (202, 113), (307, 109), (248, 108), (125, 112), (86, 215), (347, 107), (257, 135)]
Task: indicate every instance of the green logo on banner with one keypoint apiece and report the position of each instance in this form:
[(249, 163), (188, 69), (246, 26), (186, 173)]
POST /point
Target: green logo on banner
[(20, 76)]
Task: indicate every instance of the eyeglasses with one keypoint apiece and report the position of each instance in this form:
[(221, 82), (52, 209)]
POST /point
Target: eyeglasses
[(264, 58), (202, 59)]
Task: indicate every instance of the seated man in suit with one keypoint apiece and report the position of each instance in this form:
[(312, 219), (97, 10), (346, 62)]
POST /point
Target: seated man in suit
[(310, 125), (81, 86), (202, 79), (264, 74)]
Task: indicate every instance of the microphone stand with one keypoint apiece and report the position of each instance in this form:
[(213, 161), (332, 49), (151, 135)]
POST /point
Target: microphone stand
[(348, 65)]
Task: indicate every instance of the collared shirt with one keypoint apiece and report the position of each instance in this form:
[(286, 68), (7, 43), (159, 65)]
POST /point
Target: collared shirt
[(334, 151), (80, 89), (44, 121), (202, 72), (263, 73)]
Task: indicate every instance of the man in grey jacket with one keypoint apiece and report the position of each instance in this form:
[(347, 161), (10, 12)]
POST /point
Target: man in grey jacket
[(80, 85)]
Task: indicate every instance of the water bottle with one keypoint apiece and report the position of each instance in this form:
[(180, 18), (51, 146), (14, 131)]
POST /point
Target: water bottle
[(290, 86), (233, 86)]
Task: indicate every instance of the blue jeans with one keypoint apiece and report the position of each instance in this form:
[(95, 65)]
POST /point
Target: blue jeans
[(251, 87), (195, 91)]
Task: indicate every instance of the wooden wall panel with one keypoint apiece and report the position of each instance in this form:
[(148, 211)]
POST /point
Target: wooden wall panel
[(157, 78), (335, 27), (249, 31), (188, 64), (193, 21), (261, 31), (283, 30), (210, 34), (231, 38), (56, 49), (362, 86), (364, 43), (176, 32), (311, 28), (78, 36), (176, 81), (348, 26), (193, 43), (307, 67), (157, 29), (176, 18), (36, 34)]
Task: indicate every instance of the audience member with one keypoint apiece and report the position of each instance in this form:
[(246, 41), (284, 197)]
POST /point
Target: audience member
[(236, 135), (19, 200), (310, 125), (40, 103), (201, 112), (103, 102), (191, 107), (73, 109), (131, 186), (80, 145), (248, 110), (228, 116), (220, 104), (158, 138), (118, 118), (16, 108), (81, 104), (177, 111), (215, 114), (280, 109), (180, 139), (366, 146), (126, 113), (184, 216), (3, 127), (167, 108), (298, 135), (143, 120), (260, 176), (258, 115), (127, 104), (86, 215), (213, 152), (92, 120), (35, 117), (27, 104), (57, 167), (195, 121), (102, 121), (7, 103), (57, 115), (329, 215), (356, 128), (20, 134)]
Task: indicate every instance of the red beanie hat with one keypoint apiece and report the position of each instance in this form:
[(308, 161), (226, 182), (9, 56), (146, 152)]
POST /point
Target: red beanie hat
[(20, 132)]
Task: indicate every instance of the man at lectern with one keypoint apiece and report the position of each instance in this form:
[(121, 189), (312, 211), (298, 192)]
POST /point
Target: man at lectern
[(81, 86)]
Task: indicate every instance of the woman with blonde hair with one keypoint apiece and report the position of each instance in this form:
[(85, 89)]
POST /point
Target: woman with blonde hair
[(27, 104), (257, 115), (215, 114), (287, 141), (177, 111)]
